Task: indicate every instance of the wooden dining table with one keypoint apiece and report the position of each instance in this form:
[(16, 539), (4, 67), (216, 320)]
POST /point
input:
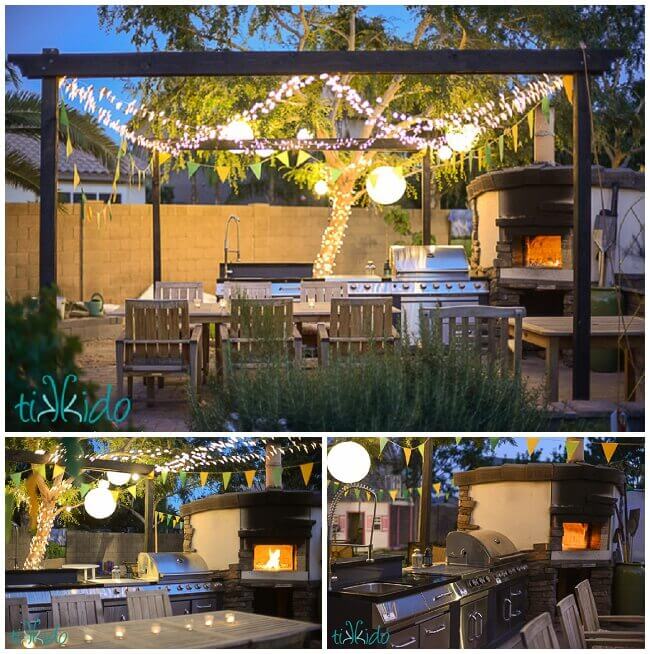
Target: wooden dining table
[(176, 632), (554, 333)]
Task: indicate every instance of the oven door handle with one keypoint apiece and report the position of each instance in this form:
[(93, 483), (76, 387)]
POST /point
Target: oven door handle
[(408, 643), (430, 632), (507, 609), (480, 617), (471, 621), (204, 606), (517, 594)]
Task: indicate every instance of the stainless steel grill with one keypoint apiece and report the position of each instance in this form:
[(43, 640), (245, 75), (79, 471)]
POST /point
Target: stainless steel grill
[(428, 262), (171, 566)]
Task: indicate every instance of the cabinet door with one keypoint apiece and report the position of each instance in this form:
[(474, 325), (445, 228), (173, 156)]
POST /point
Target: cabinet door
[(519, 599), (41, 619), (405, 639), (204, 604), (116, 613), (182, 607), (434, 633)]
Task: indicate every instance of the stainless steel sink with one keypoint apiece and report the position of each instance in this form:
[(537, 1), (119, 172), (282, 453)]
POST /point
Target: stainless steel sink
[(375, 588)]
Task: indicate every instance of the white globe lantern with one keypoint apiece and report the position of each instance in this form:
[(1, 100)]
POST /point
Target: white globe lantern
[(99, 502), (304, 134), (118, 478), (320, 187), (385, 185), (348, 462), (237, 130), (445, 153), (462, 140)]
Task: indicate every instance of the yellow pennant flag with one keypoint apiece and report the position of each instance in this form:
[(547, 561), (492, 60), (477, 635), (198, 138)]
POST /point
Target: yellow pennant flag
[(421, 450), (58, 470), (133, 490), (151, 475), (531, 122), (223, 172), (115, 494), (407, 454), (393, 494), (515, 137), (436, 487), (39, 469), (203, 476), (567, 81), (306, 470), (76, 180), (531, 444), (609, 449), (68, 147), (163, 157), (571, 447), (250, 476), (226, 479)]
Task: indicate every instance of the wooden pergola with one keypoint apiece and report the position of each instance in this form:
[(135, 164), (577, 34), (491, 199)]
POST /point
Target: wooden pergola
[(50, 66)]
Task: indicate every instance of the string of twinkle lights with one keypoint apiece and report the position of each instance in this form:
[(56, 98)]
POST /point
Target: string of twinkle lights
[(460, 128)]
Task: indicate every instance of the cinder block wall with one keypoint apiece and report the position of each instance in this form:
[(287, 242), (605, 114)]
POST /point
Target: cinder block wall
[(117, 251)]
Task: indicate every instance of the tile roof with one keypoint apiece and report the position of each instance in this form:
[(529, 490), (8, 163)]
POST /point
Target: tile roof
[(87, 164)]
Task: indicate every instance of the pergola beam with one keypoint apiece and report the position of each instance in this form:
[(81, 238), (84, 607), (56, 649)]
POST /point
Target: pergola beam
[(272, 63), (316, 144), (104, 465)]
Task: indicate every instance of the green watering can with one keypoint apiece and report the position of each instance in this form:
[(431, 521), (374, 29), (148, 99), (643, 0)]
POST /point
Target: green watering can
[(95, 305)]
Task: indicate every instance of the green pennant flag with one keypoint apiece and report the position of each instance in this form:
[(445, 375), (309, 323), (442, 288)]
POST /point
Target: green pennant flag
[(163, 476), (419, 490), (133, 490), (458, 439), (276, 476), (494, 442), (382, 444), (15, 478), (546, 108), (421, 449), (335, 173), (531, 122), (182, 476), (170, 518), (283, 157), (192, 167), (63, 117), (357, 493), (571, 447), (470, 166), (501, 147), (488, 155), (302, 157), (226, 479), (83, 489), (257, 169)]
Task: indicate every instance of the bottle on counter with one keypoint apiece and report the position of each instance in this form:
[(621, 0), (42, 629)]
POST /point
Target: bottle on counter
[(387, 268), (416, 558), (427, 559)]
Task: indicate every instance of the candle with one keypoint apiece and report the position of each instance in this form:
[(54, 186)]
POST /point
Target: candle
[(119, 632), (189, 625), (230, 617), (155, 628), (209, 620), (88, 638)]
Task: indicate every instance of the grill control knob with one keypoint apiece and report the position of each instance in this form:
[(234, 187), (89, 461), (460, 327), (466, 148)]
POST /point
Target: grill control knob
[(448, 285), (116, 591), (179, 587), (197, 586), (406, 286), (461, 285), (367, 287), (188, 587), (206, 585), (423, 285), (436, 286), (353, 287)]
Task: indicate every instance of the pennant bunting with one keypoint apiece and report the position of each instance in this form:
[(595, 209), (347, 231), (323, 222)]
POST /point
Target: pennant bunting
[(531, 444), (335, 173), (501, 143), (226, 479), (223, 172), (283, 157), (133, 490), (357, 493), (192, 167), (488, 155), (421, 450), (419, 490), (571, 447), (163, 476), (515, 137), (57, 470), (39, 469), (567, 82), (306, 470), (531, 122), (393, 494), (170, 517), (83, 489), (302, 157), (203, 476), (276, 476), (458, 439), (151, 475), (163, 157), (250, 477), (494, 442), (76, 180), (407, 454), (382, 444), (63, 117), (68, 147), (183, 477), (15, 478), (116, 494), (437, 486), (608, 450), (470, 165), (256, 168)]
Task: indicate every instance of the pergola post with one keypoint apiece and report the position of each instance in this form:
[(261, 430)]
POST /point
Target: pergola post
[(49, 178), (425, 499), (149, 517), (155, 204), (581, 237), (426, 197)]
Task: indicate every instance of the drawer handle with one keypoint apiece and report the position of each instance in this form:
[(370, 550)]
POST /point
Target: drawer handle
[(408, 643), (186, 611), (430, 632), (204, 606), (437, 597), (517, 594)]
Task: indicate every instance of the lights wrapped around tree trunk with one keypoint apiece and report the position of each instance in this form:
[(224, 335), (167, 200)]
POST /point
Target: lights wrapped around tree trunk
[(334, 233)]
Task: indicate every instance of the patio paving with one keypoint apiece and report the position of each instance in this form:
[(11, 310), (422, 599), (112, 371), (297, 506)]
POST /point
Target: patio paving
[(170, 411)]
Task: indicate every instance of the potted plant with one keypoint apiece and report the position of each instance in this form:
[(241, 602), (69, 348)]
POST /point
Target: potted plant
[(54, 555)]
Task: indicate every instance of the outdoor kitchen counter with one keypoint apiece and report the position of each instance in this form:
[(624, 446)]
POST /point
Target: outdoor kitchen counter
[(247, 630)]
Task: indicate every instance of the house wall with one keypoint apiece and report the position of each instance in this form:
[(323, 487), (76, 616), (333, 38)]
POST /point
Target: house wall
[(117, 251), (130, 194)]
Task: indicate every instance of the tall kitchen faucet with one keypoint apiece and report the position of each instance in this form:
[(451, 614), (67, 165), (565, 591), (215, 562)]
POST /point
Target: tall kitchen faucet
[(226, 248)]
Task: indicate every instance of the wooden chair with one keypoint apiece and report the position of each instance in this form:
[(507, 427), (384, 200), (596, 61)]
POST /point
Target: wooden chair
[(16, 614), (178, 291), (539, 633), (574, 632), (157, 341), (77, 610), (592, 621), (481, 328), (247, 290), (357, 325), (258, 329), (149, 604), (322, 291)]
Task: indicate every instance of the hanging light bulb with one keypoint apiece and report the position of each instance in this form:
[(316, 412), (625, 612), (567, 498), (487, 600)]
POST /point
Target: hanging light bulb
[(237, 130), (348, 462), (444, 153), (320, 187), (462, 140), (118, 478), (386, 184), (304, 134), (99, 502)]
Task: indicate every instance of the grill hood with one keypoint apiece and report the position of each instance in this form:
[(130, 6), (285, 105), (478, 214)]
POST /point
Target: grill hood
[(158, 566), (479, 547), (428, 261)]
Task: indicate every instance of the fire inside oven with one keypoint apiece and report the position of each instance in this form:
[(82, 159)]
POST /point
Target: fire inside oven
[(543, 251), (274, 558), (580, 536)]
